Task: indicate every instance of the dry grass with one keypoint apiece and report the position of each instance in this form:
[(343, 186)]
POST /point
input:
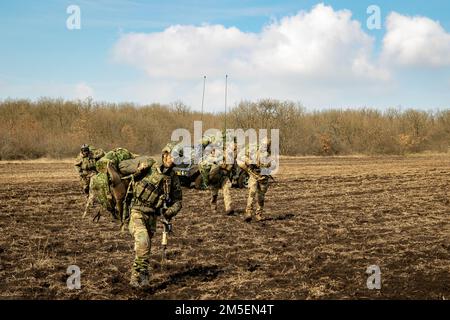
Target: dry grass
[(57, 128), (327, 220)]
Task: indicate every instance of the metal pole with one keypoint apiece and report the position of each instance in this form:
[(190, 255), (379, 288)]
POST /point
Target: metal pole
[(226, 91), (203, 97)]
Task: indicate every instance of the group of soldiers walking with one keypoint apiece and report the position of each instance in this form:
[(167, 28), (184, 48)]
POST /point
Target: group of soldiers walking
[(152, 191)]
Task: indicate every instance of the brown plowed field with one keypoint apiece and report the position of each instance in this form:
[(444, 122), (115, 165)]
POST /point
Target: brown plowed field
[(327, 220)]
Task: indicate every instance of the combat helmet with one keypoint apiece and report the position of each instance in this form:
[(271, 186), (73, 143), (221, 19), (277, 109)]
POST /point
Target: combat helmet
[(172, 147), (85, 148), (175, 149)]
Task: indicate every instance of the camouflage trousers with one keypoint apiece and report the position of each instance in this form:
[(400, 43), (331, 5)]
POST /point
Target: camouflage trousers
[(256, 191), (85, 179), (204, 172), (225, 185), (142, 227)]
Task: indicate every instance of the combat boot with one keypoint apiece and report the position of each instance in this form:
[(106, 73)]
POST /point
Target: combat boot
[(135, 279), (214, 204), (144, 279), (229, 212), (247, 216), (259, 214), (139, 279)]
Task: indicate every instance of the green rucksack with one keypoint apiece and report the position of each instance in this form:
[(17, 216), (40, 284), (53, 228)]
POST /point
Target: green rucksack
[(117, 155), (99, 185), (114, 156)]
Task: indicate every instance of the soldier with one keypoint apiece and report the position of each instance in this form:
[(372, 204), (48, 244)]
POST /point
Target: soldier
[(204, 167), (156, 191), (208, 144), (85, 164), (220, 179), (258, 182)]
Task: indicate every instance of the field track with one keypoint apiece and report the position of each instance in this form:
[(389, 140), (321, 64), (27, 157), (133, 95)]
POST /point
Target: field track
[(327, 220)]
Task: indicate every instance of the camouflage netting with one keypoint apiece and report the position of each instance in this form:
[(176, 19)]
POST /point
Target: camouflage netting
[(100, 186), (114, 156)]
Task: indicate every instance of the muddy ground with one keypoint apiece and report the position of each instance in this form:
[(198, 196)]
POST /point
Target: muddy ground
[(327, 220)]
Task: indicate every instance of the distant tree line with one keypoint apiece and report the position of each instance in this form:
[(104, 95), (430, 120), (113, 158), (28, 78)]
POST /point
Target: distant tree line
[(57, 128)]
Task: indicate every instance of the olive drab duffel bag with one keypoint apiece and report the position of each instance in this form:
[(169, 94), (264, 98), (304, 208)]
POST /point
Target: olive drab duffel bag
[(115, 156)]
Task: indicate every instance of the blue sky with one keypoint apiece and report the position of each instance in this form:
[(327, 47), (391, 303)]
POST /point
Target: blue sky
[(39, 56)]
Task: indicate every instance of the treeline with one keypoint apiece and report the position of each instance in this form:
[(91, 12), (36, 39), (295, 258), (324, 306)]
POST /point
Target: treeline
[(57, 128)]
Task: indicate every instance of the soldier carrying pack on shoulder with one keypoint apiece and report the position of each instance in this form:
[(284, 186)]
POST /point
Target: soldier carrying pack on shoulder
[(85, 164), (156, 191)]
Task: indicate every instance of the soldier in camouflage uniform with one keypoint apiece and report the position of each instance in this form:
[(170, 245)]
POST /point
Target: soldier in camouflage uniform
[(101, 187), (204, 167), (216, 172), (258, 182), (85, 164), (209, 143), (157, 190), (208, 159), (220, 179)]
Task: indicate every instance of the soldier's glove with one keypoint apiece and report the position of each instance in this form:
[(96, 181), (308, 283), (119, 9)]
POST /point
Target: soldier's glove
[(169, 214), (142, 166)]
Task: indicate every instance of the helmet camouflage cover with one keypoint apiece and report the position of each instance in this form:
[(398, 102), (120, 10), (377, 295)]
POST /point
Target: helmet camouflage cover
[(174, 148)]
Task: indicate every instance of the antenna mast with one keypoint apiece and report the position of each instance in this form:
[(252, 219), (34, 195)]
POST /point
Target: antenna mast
[(226, 91), (203, 97)]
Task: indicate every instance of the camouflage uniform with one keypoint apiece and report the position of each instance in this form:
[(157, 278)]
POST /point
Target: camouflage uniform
[(218, 174), (205, 166), (258, 183), (219, 178), (257, 188), (85, 164), (100, 183), (159, 186)]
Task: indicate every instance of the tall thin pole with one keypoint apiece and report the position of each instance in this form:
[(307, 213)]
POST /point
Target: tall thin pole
[(226, 92), (203, 97)]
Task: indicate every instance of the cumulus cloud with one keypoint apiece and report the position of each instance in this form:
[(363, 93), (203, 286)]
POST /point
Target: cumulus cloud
[(415, 41), (320, 57), (82, 91), (318, 44)]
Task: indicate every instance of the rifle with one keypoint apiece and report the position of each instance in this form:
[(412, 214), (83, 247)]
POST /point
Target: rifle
[(256, 175), (164, 202), (167, 229), (126, 211), (126, 208)]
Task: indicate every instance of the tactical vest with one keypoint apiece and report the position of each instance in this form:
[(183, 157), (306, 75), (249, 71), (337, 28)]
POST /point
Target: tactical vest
[(151, 191), (88, 164)]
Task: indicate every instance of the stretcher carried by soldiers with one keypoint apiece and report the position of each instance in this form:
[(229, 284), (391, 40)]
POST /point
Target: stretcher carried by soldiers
[(109, 186), (197, 174)]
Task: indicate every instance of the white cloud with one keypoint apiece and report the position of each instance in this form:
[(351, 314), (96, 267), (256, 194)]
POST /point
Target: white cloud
[(82, 91), (321, 57), (415, 41), (316, 50), (319, 43)]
